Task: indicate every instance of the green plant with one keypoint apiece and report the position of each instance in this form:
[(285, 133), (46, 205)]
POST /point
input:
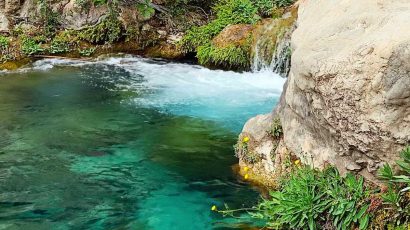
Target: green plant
[(283, 3), (59, 46), (4, 45), (145, 9), (229, 56), (132, 33), (108, 30), (307, 196), (50, 19), (30, 46), (17, 30), (84, 4), (276, 128), (228, 12), (265, 7), (242, 151), (347, 197), (296, 205), (87, 51), (398, 185), (4, 49)]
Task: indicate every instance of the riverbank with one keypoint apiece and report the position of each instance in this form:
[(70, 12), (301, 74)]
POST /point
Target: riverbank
[(216, 35)]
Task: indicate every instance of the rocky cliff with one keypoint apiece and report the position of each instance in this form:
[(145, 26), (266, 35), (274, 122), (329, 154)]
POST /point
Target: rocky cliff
[(347, 99)]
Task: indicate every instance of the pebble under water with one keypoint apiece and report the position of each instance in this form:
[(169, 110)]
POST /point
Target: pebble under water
[(125, 143)]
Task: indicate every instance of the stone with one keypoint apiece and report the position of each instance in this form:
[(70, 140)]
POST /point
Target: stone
[(236, 35), (347, 97), (4, 23), (73, 16)]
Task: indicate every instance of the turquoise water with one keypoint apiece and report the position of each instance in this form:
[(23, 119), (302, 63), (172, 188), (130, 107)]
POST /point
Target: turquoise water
[(124, 143)]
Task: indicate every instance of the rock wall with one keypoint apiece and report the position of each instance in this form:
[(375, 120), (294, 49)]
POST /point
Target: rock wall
[(347, 98), (27, 12)]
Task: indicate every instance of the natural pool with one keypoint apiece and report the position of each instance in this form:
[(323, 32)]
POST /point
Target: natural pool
[(124, 143)]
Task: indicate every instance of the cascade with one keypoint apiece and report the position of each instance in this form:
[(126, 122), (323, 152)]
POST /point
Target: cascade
[(272, 47)]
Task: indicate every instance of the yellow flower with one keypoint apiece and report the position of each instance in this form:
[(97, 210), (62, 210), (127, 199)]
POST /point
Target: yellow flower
[(246, 176), (297, 162), (214, 208), (245, 140), (245, 168)]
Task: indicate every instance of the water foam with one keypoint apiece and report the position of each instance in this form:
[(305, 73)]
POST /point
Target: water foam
[(190, 90)]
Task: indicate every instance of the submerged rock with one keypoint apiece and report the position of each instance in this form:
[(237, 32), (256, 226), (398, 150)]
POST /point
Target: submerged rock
[(347, 99)]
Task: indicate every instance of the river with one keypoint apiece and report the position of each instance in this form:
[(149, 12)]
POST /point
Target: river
[(125, 143)]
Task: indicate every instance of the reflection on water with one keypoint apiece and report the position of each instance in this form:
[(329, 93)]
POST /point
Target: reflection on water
[(124, 143)]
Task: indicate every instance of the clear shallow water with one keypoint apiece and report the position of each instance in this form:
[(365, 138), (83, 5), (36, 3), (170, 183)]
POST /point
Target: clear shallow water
[(124, 143)]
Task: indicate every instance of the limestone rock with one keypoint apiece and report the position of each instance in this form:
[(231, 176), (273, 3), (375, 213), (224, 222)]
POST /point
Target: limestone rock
[(347, 98), (4, 23), (236, 35), (75, 18)]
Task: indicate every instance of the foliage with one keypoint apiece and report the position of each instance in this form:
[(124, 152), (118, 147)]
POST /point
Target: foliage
[(276, 128), (50, 19), (307, 196), (398, 186), (99, 2), (283, 3), (4, 49), (4, 43), (30, 46), (242, 151), (230, 56), (108, 30), (87, 51), (59, 45), (132, 33), (17, 30), (83, 4), (145, 9), (228, 12), (265, 7)]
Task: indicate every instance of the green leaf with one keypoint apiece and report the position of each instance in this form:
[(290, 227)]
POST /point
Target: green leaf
[(364, 222), (361, 212)]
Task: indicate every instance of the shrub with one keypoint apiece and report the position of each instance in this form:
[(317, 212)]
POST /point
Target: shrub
[(230, 56), (243, 153), (228, 12), (265, 7), (50, 19), (4, 49), (283, 3), (59, 45), (308, 196), (276, 129), (30, 46), (87, 51), (145, 9), (108, 30), (4, 43), (398, 186)]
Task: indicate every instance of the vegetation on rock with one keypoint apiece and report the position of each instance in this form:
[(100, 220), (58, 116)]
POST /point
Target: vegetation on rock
[(308, 198), (228, 12)]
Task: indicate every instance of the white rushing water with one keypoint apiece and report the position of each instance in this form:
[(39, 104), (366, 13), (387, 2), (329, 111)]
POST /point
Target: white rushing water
[(190, 90)]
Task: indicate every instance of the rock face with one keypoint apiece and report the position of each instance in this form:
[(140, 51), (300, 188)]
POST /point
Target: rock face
[(236, 35), (347, 98)]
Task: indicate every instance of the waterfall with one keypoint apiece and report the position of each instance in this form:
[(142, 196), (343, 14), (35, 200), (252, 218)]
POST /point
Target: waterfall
[(282, 55), (272, 46)]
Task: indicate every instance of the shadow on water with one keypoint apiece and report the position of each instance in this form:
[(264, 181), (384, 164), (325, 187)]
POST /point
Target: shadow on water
[(80, 151)]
